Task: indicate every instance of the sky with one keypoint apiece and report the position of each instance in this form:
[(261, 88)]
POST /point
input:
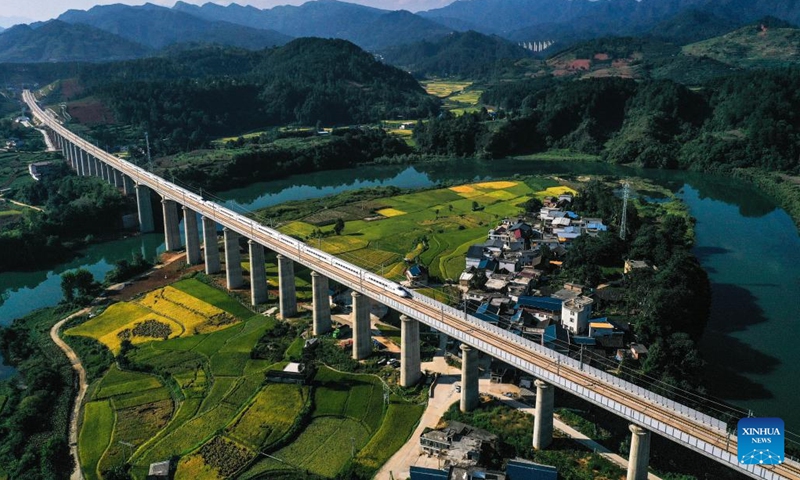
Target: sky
[(25, 11)]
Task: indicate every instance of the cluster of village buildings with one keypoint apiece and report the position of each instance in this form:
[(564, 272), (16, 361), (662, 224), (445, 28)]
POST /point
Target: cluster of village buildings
[(502, 284)]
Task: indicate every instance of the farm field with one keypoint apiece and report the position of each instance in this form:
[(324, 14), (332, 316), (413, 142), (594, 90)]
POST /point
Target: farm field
[(443, 89), (98, 422), (400, 422), (348, 415), (435, 226), (161, 314), (204, 401), (201, 383)]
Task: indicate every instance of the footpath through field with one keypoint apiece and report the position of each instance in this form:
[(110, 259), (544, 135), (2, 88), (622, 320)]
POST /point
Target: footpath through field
[(77, 474)]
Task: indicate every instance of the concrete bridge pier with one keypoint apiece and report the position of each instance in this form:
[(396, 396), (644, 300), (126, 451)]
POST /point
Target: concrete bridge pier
[(362, 336), (95, 169), (145, 208), (233, 260), (117, 178), (543, 421), (210, 246), (321, 305), (70, 159), (410, 372), (81, 165), (640, 453), (65, 150), (258, 274), (469, 378), (127, 185), (105, 171), (172, 233), (77, 164), (192, 236), (288, 295), (69, 151)]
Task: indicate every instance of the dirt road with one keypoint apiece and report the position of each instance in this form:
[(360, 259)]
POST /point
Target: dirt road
[(77, 474)]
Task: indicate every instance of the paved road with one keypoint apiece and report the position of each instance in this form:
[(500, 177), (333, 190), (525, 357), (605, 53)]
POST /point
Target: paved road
[(77, 474), (398, 466)]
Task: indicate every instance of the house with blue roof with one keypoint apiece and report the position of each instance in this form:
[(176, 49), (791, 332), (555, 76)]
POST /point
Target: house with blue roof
[(548, 304), (417, 274), (518, 469), (420, 473)]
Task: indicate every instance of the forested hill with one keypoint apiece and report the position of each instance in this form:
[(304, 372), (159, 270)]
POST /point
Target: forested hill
[(766, 43), (743, 120), (187, 99), (469, 54), (57, 41)]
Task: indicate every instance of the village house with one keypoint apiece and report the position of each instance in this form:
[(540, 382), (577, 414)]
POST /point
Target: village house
[(417, 274), (575, 314), (458, 444), (631, 265)]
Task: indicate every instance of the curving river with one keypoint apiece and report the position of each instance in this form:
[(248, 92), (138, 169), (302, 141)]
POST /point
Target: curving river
[(749, 247)]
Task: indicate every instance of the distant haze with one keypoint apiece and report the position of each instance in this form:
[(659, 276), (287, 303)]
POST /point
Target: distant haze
[(19, 11)]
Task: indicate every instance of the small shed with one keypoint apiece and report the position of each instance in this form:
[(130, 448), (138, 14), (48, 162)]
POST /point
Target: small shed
[(159, 470)]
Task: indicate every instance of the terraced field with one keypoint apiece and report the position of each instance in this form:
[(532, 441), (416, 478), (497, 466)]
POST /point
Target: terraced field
[(435, 226), (206, 401), (164, 313)]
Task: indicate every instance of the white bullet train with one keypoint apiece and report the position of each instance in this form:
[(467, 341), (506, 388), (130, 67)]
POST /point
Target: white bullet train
[(307, 250)]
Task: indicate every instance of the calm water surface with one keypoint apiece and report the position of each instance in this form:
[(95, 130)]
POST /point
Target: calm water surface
[(750, 248)]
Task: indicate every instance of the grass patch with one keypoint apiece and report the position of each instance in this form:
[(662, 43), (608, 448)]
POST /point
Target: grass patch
[(96, 431), (359, 397), (270, 416), (117, 382), (135, 425), (214, 296), (324, 448), (400, 422)]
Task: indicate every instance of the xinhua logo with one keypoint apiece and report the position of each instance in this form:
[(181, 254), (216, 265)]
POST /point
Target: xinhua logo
[(761, 441)]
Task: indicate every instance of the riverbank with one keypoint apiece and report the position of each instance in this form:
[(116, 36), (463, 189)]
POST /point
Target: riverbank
[(782, 188)]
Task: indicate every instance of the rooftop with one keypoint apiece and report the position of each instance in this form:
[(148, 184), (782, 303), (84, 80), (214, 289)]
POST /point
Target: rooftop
[(542, 303)]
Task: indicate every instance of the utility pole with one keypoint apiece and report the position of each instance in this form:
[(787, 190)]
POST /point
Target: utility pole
[(626, 192)]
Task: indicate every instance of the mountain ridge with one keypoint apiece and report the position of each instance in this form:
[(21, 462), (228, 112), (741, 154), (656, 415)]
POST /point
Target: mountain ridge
[(57, 41), (158, 27), (368, 27)]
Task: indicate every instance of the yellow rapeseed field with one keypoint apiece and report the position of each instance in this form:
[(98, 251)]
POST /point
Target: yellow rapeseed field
[(555, 191), (391, 212), (500, 185), (184, 314)]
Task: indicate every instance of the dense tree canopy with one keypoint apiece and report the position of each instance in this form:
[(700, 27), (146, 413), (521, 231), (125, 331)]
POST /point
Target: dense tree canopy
[(744, 120)]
